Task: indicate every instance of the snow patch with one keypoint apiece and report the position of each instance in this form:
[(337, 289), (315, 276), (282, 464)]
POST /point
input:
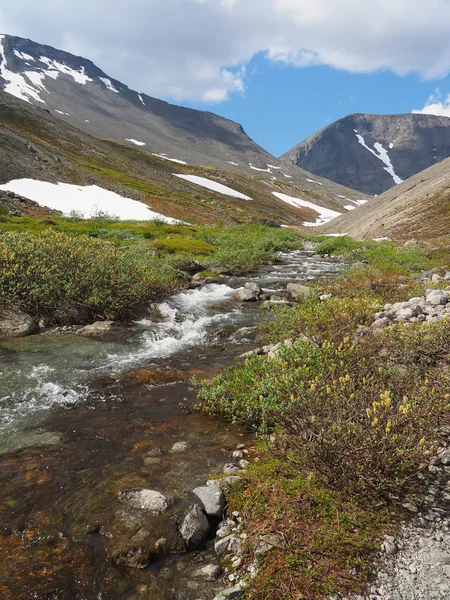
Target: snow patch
[(256, 169), (108, 83), (230, 162), (55, 66), (23, 55), (382, 154), (312, 181), (325, 214), (141, 99), (273, 167), (87, 200), (165, 157), (350, 207), (287, 176), (214, 186), (391, 145), (16, 85), (135, 142)]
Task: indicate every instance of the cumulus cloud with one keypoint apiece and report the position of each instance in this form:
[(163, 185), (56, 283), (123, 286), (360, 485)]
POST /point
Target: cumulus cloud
[(436, 104), (198, 49)]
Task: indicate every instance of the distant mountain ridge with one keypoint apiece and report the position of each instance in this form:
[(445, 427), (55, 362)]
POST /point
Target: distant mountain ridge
[(373, 153)]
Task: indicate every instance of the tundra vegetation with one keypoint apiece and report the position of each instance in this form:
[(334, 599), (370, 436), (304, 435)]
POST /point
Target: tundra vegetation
[(346, 419), (70, 270)]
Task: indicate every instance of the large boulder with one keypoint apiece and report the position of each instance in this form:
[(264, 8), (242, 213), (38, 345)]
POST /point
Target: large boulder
[(15, 323), (254, 287), (437, 297), (195, 527), (211, 498), (298, 290)]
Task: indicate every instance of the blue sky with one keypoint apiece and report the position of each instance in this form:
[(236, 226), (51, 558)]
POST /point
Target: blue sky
[(282, 105), (282, 68)]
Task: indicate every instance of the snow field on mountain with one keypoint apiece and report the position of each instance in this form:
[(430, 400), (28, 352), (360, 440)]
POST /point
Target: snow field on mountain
[(325, 214), (382, 154), (165, 157), (213, 186), (135, 142), (87, 201)]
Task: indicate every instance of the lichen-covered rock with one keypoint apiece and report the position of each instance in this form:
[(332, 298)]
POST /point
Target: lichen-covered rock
[(298, 290)]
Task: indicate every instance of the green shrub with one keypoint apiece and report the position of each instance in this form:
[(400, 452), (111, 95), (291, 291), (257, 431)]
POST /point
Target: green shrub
[(76, 279)]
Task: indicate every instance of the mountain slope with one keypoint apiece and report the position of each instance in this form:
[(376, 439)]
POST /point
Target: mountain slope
[(373, 153), (79, 93), (36, 144), (418, 208)]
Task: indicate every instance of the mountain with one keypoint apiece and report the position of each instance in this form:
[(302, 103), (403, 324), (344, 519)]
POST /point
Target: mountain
[(39, 147), (145, 139), (373, 153), (79, 93), (418, 208)]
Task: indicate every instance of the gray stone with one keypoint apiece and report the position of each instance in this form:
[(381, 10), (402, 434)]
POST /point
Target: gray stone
[(221, 545), (437, 297), (399, 306), (15, 323), (413, 242), (209, 572), (100, 328), (231, 469), (254, 287), (230, 593), (389, 548), (381, 323), (150, 500), (244, 464), (179, 448), (438, 557), (244, 295), (195, 527), (211, 498), (298, 290)]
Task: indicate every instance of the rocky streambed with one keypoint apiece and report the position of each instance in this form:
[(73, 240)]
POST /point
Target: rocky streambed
[(103, 467)]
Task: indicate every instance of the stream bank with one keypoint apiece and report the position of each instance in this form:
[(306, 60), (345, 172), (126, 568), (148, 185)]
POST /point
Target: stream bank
[(83, 420)]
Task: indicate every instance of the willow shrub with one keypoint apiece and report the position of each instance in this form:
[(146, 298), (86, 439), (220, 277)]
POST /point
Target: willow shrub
[(347, 413), (76, 279)]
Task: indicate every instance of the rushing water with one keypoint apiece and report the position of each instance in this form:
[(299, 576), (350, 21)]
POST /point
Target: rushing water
[(80, 420)]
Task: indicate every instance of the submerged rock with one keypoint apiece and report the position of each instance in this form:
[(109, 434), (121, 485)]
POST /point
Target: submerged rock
[(209, 572), (101, 329), (15, 323), (230, 593), (195, 527), (179, 448), (136, 557), (150, 500)]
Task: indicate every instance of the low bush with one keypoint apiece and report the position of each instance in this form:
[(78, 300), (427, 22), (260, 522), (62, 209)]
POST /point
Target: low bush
[(76, 279)]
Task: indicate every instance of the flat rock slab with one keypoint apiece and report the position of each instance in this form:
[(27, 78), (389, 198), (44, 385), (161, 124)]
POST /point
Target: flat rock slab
[(150, 500)]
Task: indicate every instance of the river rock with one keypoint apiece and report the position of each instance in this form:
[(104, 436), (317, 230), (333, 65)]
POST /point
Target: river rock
[(179, 448), (101, 329), (230, 593), (136, 557), (222, 545), (244, 295), (298, 290), (231, 469), (195, 527), (150, 500), (254, 287), (15, 323), (211, 498), (209, 572)]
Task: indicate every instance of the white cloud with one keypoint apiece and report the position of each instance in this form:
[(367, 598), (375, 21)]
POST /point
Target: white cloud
[(436, 104), (195, 49)]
